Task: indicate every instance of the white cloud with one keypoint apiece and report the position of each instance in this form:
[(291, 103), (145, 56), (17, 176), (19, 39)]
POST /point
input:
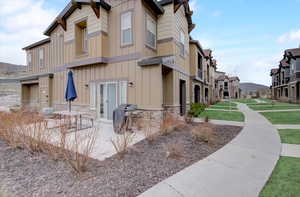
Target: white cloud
[(292, 36), (250, 68), (193, 5), (22, 22), (216, 13)]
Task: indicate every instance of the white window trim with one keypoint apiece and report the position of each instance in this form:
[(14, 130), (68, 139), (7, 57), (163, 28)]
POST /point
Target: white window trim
[(93, 96), (149, 18), (123, 43), (125, 83)]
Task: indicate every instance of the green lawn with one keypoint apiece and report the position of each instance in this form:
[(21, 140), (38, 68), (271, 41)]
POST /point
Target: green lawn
[(290, 136), (245, 100), (223, 115), (285, 179), (275, 107), (287, 117)]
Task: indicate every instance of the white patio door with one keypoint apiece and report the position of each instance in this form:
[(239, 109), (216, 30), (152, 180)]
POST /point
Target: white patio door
[(107, 100)]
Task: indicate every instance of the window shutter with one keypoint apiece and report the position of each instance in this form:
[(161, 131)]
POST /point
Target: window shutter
[(93, 96)]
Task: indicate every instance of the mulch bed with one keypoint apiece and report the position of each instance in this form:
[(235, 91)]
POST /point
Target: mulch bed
[(25, 174)]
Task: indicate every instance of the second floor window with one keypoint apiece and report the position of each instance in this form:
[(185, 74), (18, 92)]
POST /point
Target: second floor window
[(150, 32), (200, 69), (181, 43), (41, 58), (81, 38), (126, 28)]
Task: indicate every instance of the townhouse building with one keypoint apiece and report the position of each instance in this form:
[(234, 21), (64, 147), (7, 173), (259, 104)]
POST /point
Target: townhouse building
[(202, 71), (227, 87), (286, 78), (134, 51)]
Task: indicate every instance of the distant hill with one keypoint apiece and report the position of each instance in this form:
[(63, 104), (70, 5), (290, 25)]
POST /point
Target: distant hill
[(251, 87), (11, 69)]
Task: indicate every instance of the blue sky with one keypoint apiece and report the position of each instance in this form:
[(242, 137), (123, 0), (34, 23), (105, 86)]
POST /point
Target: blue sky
[(247, 36)]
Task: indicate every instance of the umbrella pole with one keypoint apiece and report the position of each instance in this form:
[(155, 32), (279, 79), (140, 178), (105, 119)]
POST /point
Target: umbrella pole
[(69, 106)]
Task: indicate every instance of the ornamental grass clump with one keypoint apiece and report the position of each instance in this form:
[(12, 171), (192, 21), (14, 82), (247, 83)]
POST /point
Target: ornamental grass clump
[(174, 150), (204, 133)]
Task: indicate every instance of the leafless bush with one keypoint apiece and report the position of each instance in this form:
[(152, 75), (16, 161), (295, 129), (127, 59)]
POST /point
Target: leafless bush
[(148, 129), (204, 132), (174, 150), (122, 142), (206, 119), (188, 118), (77, 147), (30, 131), (168, 123)]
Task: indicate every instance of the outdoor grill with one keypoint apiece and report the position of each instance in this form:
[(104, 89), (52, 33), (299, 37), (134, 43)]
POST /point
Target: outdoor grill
[(121, 116)]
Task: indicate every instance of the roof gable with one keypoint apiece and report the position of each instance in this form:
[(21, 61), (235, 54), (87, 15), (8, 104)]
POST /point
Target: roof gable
[(71, 7)]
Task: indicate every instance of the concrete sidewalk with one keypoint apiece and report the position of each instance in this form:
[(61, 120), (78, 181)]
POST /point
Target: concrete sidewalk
[(287, 126), (239, 169), (279, 110), (290, 150)]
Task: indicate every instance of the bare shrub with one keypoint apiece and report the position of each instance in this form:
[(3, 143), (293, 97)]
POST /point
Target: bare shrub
[(168, 123), (77, 147), (29, 130), (122, 142), (188, 118), (148, 129), (206, 119), (174, 150), (204, 132)]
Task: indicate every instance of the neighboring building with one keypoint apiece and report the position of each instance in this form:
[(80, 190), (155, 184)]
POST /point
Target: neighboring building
[(133, 52), (227, 87), (286, 79), (202, 71)]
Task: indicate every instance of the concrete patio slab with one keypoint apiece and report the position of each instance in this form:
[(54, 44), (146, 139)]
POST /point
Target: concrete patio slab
[(241, 168), (290, 150), (287, 126)]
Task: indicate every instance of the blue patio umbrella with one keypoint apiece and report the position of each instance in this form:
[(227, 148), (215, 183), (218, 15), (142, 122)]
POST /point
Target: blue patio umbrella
[(71, 94)]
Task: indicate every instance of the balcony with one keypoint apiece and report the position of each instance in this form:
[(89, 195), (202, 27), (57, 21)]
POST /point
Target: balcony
[(200, 74)]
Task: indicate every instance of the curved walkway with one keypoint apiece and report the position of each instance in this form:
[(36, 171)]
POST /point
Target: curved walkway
[(239, 169)]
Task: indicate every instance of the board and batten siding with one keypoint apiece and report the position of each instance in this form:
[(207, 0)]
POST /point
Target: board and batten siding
[(36, 68), (146, 89), (97, 29)]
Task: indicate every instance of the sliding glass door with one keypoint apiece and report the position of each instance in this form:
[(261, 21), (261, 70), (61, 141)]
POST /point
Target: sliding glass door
[(110, 96)]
